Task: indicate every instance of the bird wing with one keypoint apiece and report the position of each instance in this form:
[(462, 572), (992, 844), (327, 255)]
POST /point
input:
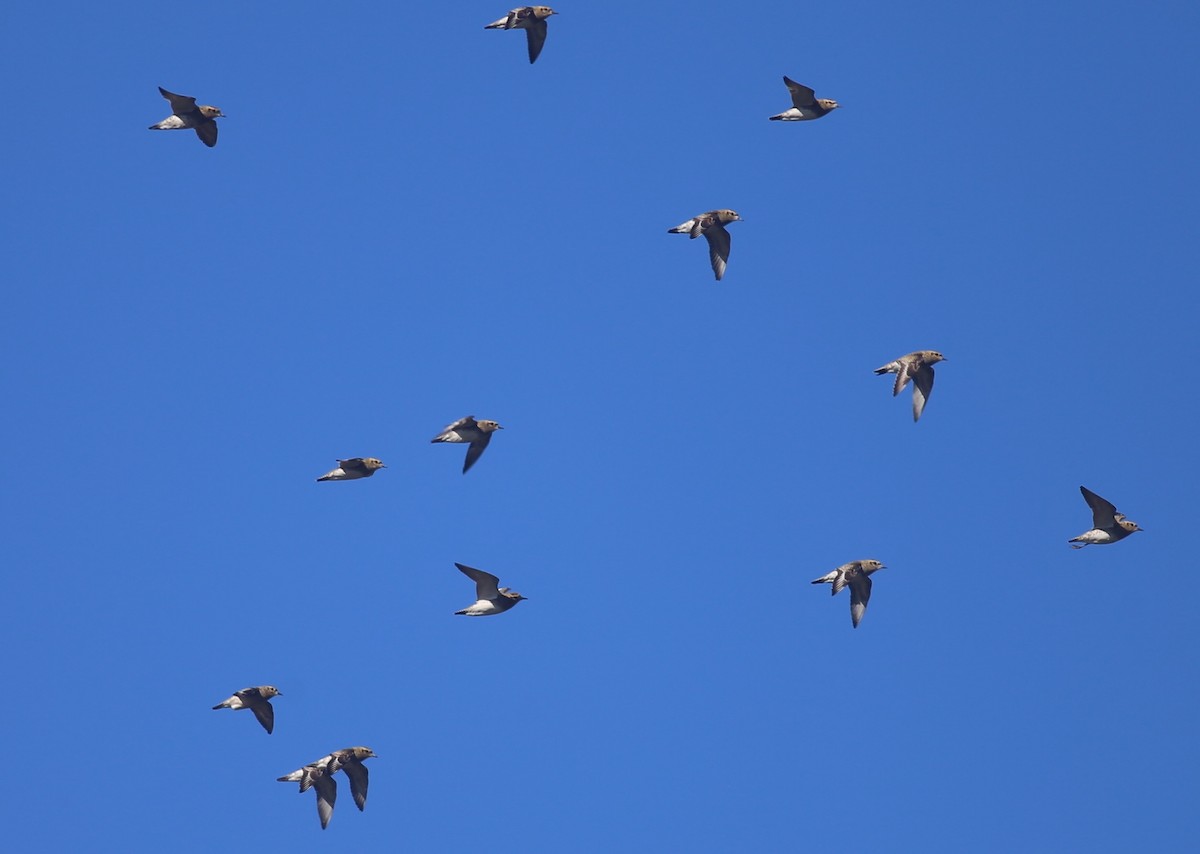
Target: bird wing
[(1104, 514), (207, 133), (487, 586), (180, 104), (450, 431), (326, 797), (802, 96), (357, 773), (535, 34), (860, 593), (354, 464), (265, 712), (476, 450), (922, 388), (718, 249)]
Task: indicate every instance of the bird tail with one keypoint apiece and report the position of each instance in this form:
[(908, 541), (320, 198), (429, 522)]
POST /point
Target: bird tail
[(464, 611), (885, 369), (224, 705), (498, 25)]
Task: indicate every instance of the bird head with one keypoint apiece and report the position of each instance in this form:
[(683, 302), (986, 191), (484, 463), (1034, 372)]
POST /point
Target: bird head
[(1126, 524)]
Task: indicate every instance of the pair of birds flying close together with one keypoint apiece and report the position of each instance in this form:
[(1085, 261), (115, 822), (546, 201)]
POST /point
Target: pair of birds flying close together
[(319, 776), (805, 107), (476, 434), (1108, 526), (857, 576)]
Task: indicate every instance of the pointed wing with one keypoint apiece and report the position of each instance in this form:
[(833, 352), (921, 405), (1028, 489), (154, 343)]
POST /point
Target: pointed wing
[(487, 586), (357, 772), (476, 451), (535, 34), (326, 798), (1104, 514), (839, 580), (450, 433), (903, 375), (860, 594), (207, 133), (180, 104), (802, 96), (265, 712), (922, 388), (718, 249)]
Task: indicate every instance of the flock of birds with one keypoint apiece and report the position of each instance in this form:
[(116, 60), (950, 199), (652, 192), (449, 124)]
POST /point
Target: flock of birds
[(1108, 525)]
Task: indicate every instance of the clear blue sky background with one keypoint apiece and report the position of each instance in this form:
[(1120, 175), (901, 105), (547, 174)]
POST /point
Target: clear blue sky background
[(404, 222)]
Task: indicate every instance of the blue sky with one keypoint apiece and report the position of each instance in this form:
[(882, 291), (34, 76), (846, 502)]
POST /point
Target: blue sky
[(403, 223)]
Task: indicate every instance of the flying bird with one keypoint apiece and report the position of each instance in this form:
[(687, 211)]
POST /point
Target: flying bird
[(804, 105), (531, 19), (712, 226), (1108, 525), (478, 433), (319, 775), (257, 700), (186, 114), (350, 761), (490, 597), (316, 776), (353, 469), (917, 367), (857, 576)]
